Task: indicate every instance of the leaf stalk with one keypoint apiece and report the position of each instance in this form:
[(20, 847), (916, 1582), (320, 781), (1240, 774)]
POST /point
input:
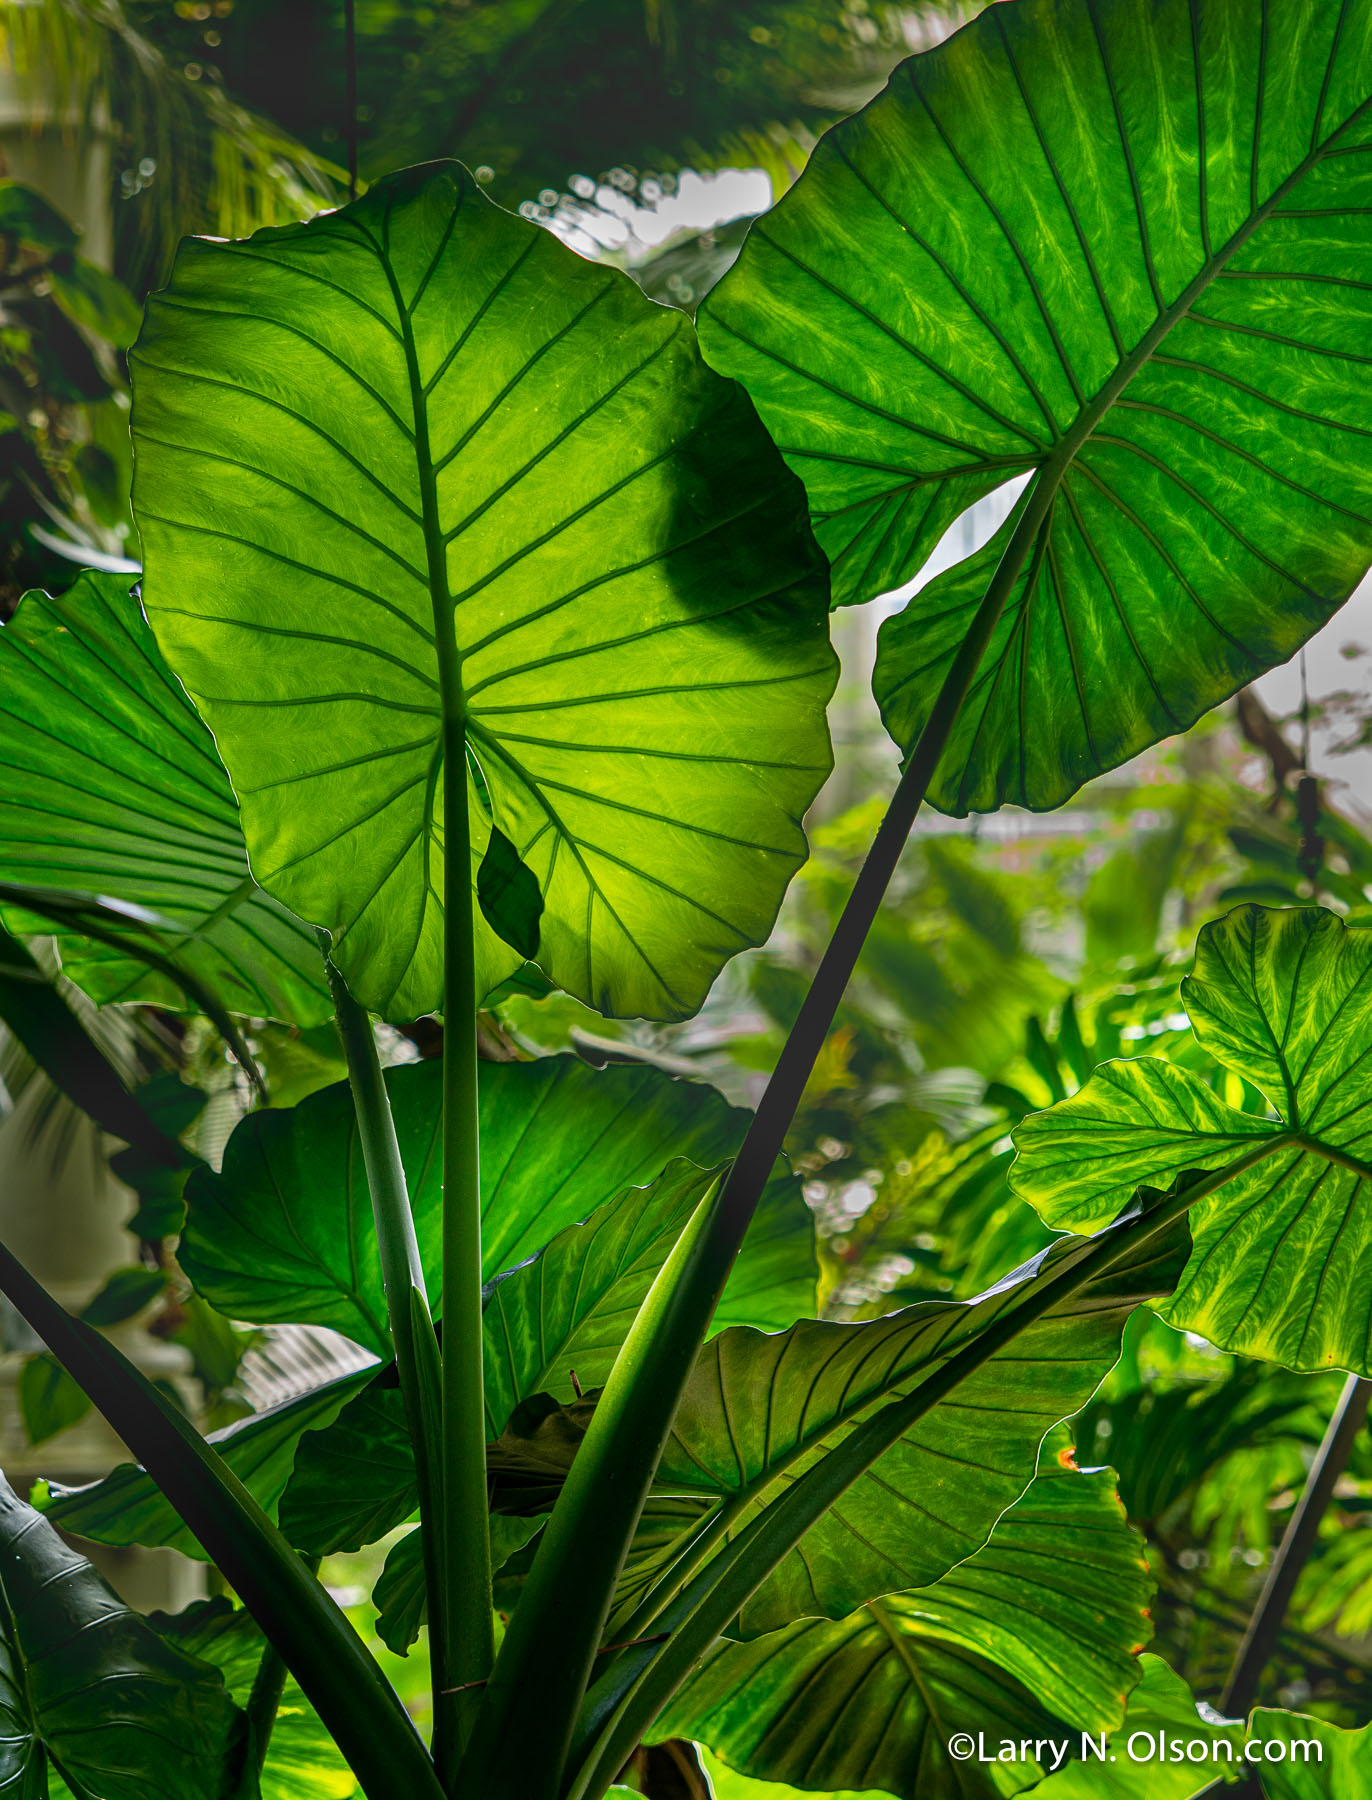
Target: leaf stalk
[(402, 1275), (1260, 1640)]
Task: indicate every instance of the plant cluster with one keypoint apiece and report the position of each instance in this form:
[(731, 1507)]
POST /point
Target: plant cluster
[(482, 647)]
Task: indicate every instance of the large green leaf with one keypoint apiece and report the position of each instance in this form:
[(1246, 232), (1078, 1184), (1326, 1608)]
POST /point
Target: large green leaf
[(420, 414), (553, 1324), (87, 1683), (354, 1478), (303, 1762), (1123, 244), (1281, 1267), (286, 1233), (1033, 1638), (760, 1411), (111, 785), (1139, 1763), (127, 1507)]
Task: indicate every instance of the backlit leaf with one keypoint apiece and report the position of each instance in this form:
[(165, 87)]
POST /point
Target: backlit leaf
[(1125, 247), (420, 413), (1281, 1267)]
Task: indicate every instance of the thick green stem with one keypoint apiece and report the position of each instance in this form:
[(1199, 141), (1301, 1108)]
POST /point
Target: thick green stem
[(629, 1696), (339, 1675), (402, 1276), (467, 1553), (551, 1654), (550, 1647)]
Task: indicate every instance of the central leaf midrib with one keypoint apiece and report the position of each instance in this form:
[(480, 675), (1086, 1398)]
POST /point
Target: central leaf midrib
[(1138, 358)]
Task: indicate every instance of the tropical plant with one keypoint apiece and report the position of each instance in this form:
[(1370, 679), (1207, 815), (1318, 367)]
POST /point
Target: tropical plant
[(483, 640)]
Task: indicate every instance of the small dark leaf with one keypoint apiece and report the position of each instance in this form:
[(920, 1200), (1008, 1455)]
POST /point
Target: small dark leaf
[(26, 215), (126, 1292), (510, 896), (49, 1400)]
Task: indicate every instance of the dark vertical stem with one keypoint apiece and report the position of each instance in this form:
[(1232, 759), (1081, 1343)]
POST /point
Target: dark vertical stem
[(1259, 1641), (777, 1108), (350, 76), (268, 1685)]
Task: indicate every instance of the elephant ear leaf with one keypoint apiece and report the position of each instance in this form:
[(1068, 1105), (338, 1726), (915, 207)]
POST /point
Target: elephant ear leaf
[(1119, 247), (88, 1687), (415, 459), (1282, 1267), (759, 1412), (302, 1760), (1018, 1642), (126, 797), (285, 1230)]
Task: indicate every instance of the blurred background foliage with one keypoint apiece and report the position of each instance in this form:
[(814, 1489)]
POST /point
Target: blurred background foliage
[(1013, 954)]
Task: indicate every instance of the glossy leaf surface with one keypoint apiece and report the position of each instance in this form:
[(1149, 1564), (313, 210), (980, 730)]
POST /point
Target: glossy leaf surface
[(1120, 244), (421, 414), (126, 1507), (760, 1412), (112, 786), (1020, 1641), (86, 1682), (286, 1232), (1281, 1266)]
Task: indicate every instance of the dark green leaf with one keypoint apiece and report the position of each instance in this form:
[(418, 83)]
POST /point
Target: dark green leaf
[(126, 1292), (96, 299), (285, 1232), (1123, 246), (354, 1481), (126, 1507), (88, 1683), (1281, 1267), (27, 216), (420, 409), (127, 799), (1022, 1641), (508, 892), (399, 1593), (303, 1763), (49, 1400)]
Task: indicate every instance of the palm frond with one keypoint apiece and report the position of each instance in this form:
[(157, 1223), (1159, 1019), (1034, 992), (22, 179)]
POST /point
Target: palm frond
[(188, 158)]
